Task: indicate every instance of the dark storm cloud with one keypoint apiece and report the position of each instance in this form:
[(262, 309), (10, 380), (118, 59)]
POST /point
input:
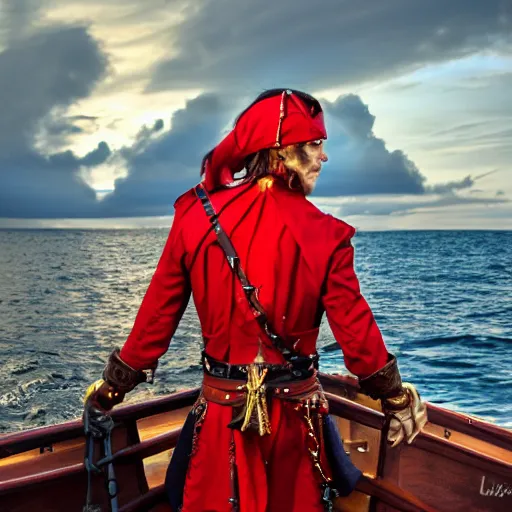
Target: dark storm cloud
[(447, 188), (240, 45), (36, 188), (361, 164), (68, 160), (163, 167), (61, 129), (96, 156), (57, 130), (228, 47), (49, 70)]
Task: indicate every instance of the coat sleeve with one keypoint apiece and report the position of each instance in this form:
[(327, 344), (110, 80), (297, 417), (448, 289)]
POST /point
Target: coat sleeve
[(350, 317), (162, 307)]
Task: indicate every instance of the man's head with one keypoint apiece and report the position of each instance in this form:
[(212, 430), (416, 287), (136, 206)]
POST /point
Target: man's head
[(280, 133)]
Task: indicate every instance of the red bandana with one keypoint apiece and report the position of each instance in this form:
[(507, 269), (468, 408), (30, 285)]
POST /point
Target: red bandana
[(273, 122)]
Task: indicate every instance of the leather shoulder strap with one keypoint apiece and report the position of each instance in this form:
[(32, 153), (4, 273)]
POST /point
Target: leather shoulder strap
[(234, 263)]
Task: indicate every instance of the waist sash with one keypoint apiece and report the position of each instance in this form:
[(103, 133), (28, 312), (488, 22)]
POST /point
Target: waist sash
[(234, 392), (246, 388)]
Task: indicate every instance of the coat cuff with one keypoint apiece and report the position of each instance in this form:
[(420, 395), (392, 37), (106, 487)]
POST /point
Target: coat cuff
[(384, 383), (122, 376)]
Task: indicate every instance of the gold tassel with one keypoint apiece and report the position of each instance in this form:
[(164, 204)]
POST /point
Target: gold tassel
[(256, 399)]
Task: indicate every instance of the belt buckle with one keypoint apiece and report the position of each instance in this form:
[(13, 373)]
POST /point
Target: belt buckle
[(217, 371)]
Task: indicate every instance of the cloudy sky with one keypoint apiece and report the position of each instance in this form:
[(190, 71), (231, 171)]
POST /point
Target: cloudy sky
[(107, 107)]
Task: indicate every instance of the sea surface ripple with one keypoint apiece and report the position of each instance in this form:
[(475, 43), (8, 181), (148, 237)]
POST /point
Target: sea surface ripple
[(443, 300)]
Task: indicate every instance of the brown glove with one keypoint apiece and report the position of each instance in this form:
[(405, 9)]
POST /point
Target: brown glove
[(401, 402), (118, 379)]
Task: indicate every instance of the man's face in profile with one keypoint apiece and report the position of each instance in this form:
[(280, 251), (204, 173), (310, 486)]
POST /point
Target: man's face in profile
[(306, 160)]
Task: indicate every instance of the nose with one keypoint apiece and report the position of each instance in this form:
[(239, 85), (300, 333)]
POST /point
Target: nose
[(323, 157)]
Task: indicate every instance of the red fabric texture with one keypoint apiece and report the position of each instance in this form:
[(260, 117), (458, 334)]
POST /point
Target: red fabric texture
[(300, 259), (259, 128), (302, 262), (273, 475)]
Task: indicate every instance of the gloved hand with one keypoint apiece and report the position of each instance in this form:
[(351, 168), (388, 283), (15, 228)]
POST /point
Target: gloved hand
[(99, 399), (118, 379), (401, 402), (407, 415)]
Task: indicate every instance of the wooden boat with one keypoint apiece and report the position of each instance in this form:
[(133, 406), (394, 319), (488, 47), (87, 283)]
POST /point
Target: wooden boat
[(458, 463)]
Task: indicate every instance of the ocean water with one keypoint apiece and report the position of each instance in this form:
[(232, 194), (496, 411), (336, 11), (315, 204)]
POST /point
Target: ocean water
[(443, 300)]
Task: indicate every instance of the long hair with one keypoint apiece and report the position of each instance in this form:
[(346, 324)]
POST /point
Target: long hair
[(259, 164)]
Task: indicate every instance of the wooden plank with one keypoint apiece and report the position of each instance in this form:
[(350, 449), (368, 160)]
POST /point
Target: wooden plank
[(449, 484), (472, 426), (18, 442), (345, 408)]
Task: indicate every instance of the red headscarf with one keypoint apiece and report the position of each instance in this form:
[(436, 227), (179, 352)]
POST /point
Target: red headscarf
[(272, 122)]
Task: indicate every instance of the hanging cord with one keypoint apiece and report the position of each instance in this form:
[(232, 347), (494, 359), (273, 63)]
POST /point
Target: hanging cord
[(234, 500), (107, 425), (90, 468), (313, 442), (111, 476)]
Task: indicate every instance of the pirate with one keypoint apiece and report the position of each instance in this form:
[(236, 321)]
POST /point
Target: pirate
[(263, 265)]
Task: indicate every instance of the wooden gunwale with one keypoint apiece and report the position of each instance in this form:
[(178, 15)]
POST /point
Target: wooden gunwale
[(371, 418), (340, 406), (460, 453), (18, 442), (451, 420), (470, 425), (140, 450), (28, 481)]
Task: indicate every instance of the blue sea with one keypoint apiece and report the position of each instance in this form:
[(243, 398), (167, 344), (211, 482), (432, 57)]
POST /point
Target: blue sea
[(443, 300)]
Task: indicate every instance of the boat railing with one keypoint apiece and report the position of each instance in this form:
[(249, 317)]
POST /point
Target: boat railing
[(21, 470)]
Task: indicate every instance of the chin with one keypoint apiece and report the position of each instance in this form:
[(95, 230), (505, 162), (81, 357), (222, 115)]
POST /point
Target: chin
[(308, 183), (309, 188)]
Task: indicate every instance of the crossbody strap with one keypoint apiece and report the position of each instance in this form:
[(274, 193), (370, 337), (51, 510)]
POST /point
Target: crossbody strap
[(234, 263)]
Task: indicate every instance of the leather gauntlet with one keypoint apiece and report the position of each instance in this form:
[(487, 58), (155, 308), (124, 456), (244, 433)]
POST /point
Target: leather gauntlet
[(118, 379), (122, 376), (384, 384)]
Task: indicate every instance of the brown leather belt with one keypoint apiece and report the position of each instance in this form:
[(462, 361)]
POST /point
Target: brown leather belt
[(233, 392)]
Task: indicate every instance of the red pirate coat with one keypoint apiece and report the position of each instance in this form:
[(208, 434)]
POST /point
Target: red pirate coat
[(299, 258), (302, 261)]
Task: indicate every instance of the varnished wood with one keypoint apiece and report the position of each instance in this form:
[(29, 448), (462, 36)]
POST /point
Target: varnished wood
[(456, 463)]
